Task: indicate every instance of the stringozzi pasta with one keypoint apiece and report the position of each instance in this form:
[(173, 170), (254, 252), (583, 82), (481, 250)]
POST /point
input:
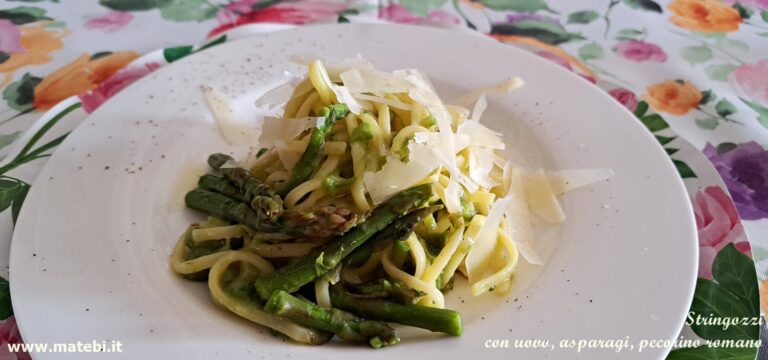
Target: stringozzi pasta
[(369, 198)]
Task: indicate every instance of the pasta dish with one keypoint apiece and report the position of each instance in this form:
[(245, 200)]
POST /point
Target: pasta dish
[(369, 197)]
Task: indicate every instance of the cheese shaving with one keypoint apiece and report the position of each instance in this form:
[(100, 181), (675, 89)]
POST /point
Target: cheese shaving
[(566, 180), (480, 167), (482, 247), (500, 88), (287, 157), (233, 129), (518, 219), (480, 135), (275, 129), (541, 199), (396, 175)]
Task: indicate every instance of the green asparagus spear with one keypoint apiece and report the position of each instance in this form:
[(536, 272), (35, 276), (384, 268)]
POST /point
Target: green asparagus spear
[(220, 185), (400, 251), (226, 208), (236, 282), (347, 326), (362, 132), (467, 209), (322, 223), (249, 185), (259, 195), (401, 229), (295, 275), (438, 320), (386, 289), (310, 160), (335, 184), (268, 208)]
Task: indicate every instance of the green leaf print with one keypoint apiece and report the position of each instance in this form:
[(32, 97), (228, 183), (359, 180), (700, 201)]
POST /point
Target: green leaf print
[(582, 17), (641, 109), (630, 34), (176, 53), (732, 44), (759, 253), (591, 51), (764, 15), (719, 72), (744, 12), (725, 147), (762, 111), (12, 194), (18, 202), (654, 122), (28, 154), (422, 7), (697, 54), (647, 5), (217, 41), (20, 95), (133, 5), (516, 5), (188, 10), (549, 32), (6, 310), (736, 272), (683, 169), (733, 295), (10, 188), (708, 123), (712, 299), (664, 140), (706, 97), (23, 14), (725, 108), (8, 139)]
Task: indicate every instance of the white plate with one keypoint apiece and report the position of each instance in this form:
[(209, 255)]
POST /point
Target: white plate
[(90, 256)]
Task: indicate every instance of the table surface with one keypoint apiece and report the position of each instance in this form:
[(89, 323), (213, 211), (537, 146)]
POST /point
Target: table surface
[(701, 66)]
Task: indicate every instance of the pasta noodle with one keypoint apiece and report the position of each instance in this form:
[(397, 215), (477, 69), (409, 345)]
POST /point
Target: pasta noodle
[(418, 254), (356, 275), (502, 275), (434, 270), (321, 81), (277, 176), (385, 122), (433, 298), (300, 94), (405, 134), (293, 197), (306, 105), (322, 293), (251, 311)]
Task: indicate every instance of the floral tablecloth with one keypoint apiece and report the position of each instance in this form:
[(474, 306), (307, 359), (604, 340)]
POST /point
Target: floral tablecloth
[(695, 72)]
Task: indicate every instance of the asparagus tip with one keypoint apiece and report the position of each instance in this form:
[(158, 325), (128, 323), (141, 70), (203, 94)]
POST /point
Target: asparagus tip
[(218, 159)]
